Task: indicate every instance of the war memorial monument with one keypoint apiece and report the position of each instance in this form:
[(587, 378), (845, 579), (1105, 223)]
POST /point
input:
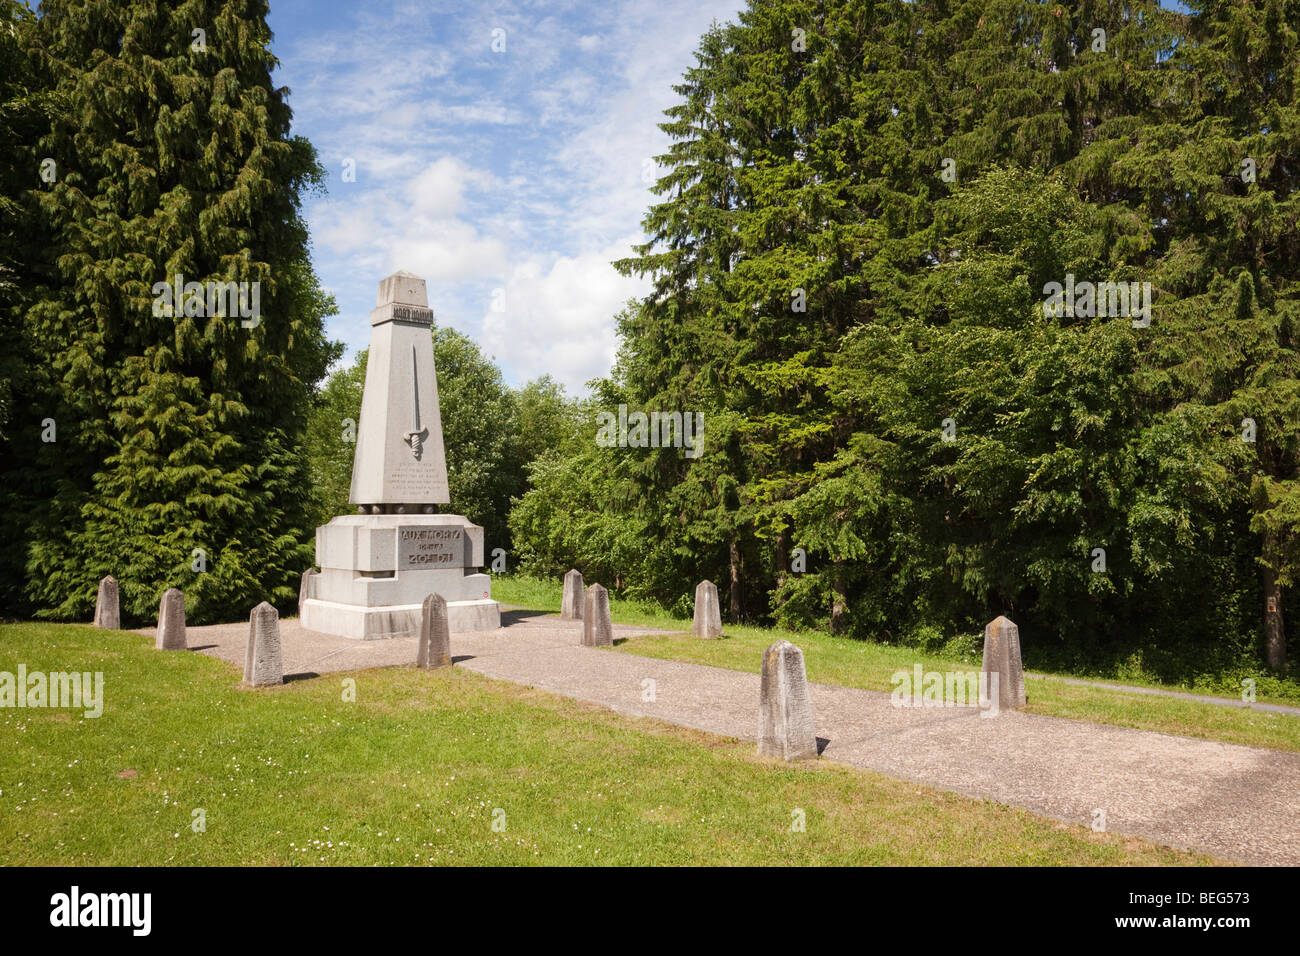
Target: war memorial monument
[(377, 566)]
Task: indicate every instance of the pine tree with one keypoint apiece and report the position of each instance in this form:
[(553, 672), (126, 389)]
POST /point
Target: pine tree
[(1220, 175), (701, 527)]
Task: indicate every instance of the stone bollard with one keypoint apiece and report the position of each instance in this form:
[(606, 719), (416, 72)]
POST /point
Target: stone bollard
[(785, 716), (1002, 658), (571, 603), (597, 628), (107, 615), (171, 622), (435, 634), (307, 589), (262, 666), (708, 613)]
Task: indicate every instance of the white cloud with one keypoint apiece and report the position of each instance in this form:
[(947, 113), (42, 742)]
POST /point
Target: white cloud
[(447, 251), (439, 190), (522, 170), (559, 318)]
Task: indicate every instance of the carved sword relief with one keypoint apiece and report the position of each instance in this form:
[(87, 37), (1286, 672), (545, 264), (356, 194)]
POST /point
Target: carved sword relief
[(416, 436)]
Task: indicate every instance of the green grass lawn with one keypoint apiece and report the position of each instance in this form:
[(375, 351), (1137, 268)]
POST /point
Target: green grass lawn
[(854, 663), (415, 769)]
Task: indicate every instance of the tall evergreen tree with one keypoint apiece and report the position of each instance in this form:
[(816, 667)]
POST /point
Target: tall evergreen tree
[(25, 102), (178, 457), (913, 175)]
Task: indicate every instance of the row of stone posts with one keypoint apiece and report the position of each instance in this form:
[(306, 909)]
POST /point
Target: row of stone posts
[(170, 635), (591, 606), (785, 714), (262, 661)]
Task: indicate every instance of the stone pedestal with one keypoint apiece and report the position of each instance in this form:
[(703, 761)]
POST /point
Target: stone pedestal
[(263, 666), (376, 571), (307, 588), (170, 635), (435, 636), (572, 600), (707, 622), (597, 628), (107, 613)]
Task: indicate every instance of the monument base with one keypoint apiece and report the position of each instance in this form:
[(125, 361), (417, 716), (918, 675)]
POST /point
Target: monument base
[(394, 620), (377, 569)]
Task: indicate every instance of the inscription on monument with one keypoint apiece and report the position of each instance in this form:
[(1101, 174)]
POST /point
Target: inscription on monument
[(413, 313), (408, 481), (430, 547)]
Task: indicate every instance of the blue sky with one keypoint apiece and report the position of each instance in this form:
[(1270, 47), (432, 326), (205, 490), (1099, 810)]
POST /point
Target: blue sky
[(508, 180)]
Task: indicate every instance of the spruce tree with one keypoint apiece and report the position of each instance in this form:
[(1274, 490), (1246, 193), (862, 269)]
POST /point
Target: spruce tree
[(1220, 175), (862, 208)]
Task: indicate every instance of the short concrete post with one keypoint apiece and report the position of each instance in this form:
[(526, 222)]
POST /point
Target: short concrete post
[(170, 635), (597, 628), (107, 613), (571, 603), (785, 716), (262, 666), (435, 634), (307, 589), (708, 613), (1002, 657)]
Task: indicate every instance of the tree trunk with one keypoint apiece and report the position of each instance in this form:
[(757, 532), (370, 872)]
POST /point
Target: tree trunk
[(735, 605), (1274, 629), (782, 557)]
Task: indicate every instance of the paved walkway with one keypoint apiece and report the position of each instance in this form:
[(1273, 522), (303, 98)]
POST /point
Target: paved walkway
[(1233, 802)]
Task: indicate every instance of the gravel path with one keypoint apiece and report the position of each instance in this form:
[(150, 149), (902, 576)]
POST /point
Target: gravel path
[(1233, 802)]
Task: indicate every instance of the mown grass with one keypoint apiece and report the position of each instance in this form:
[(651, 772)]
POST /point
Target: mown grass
[(416, 768), (855, 663)]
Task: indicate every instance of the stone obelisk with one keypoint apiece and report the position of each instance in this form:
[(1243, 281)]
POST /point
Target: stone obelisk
[(399, 461), (378, 566)]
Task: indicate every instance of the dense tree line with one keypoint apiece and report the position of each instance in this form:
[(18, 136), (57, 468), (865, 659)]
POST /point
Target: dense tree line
[(158, 441), (859, 222), (862, 219)]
